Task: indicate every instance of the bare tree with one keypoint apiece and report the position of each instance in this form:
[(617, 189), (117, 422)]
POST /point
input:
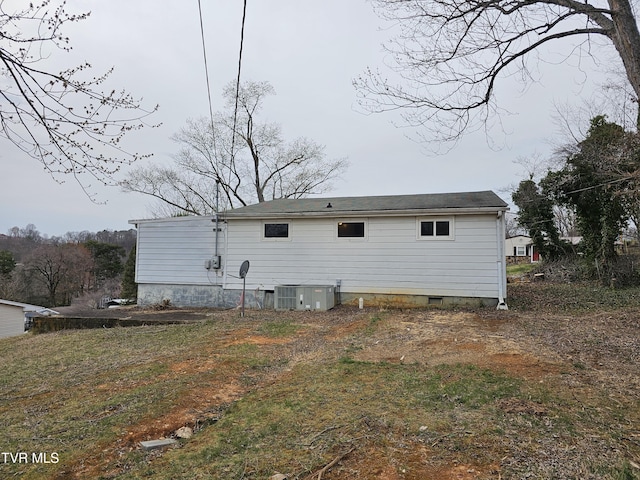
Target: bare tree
[(63, 270), (62, 119), (566, 221), (512, 227), (451, 54), (249, 160)]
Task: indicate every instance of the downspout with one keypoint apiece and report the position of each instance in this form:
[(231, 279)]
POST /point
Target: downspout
[(226, 257), (217, 221), (502, 275)]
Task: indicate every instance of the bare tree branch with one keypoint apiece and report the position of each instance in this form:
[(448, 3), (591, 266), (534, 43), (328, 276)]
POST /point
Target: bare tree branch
[(64, 119), (264, 166), (450, 55)]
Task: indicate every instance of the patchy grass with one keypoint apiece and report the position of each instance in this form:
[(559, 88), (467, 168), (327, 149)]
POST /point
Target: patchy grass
[(548, 389), (76, 391), (297, 427), (279, 328), (520, 269)]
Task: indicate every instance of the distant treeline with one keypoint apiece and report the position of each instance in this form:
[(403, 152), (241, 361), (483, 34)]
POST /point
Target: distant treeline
[(20, 241), (54, 271)]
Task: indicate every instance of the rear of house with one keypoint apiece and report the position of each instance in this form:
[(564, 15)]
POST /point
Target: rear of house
[(405, 250)]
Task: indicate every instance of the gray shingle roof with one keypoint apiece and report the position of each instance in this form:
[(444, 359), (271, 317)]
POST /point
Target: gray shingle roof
[(485, 200)]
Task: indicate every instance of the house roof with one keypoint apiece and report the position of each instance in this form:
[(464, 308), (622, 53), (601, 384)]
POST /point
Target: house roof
[(432, 203), (27, 307)]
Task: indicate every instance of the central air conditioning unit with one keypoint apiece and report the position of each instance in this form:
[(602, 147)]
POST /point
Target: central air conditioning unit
[(285, 297), (304, 297)]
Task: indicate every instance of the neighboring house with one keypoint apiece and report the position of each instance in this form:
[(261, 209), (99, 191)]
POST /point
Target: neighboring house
[(521, 248), (15, 317), (575, 240), (394, 250)]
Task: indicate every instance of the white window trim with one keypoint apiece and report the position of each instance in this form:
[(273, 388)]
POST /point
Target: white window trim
[(521, 251), (275, 239), (352, 239), (436, 238)]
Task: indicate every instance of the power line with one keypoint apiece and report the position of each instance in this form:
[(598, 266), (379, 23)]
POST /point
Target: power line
[(206, 67), (206, 72), (235, 112), (605, 184)]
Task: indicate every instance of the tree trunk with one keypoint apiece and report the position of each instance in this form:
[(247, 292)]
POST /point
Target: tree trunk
[(256, 170), (626, 38)]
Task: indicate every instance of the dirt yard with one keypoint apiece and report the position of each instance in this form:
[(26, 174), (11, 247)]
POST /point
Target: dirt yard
[(584, 357)]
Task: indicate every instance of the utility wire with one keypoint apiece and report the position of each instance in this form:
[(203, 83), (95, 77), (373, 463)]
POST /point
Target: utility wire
[(206, 72), (605, 184), (235, 112), (591, 187)]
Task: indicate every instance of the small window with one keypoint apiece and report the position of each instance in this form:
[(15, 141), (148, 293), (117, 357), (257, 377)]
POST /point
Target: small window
[(351, 229), (276, 230), (521, 251), (442, 228), (426, 229), (437, 228)]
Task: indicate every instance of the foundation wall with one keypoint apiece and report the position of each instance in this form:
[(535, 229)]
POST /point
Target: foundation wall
[(214, 296)]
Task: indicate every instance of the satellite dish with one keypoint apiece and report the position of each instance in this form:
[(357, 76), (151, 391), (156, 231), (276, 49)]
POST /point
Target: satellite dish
[(244, 268)]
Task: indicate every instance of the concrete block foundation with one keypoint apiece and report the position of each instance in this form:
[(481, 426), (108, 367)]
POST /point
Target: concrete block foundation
[(214, 296), (206, 296)]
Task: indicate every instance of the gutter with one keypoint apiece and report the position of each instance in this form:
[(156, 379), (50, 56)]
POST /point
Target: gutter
[(366, 213), (186, 218), (502, 275)]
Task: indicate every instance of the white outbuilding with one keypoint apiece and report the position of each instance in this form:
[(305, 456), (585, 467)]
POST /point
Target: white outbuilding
[(404, 250), (15, 316)]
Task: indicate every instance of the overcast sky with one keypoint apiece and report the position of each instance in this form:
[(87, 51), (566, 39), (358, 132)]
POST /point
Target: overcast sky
[(310, 52)]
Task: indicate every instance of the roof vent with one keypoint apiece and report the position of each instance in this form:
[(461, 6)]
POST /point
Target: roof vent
[(329, 205)]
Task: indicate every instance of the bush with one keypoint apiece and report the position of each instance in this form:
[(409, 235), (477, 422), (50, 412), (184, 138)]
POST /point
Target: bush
[(564, 270), (622, 271)]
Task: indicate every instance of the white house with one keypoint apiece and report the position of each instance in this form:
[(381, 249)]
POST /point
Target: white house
[(15, 316), (397, 250), (521, 246)]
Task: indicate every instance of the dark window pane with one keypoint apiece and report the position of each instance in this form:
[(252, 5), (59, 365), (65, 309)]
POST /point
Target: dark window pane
[(351, 229), (426, 229), (276, 230), (442, 229)]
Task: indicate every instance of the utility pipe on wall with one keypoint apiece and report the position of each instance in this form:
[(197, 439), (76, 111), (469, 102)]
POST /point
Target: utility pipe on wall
[(502, 277), (217, 208)]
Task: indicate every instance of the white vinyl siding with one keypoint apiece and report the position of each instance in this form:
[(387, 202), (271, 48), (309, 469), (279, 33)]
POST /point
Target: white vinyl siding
[(390, 260), (174, 251), (11, 320)]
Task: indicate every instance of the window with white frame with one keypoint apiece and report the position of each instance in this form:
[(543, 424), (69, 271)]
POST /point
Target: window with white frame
[(275, 231), (351, 230), (435, 228), (521, 251)]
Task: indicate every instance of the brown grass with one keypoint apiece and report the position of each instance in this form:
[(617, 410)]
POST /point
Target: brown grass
[(548, 389)]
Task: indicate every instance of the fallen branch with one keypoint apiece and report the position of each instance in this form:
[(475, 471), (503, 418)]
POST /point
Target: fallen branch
[(333, 462), (318, 435)]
